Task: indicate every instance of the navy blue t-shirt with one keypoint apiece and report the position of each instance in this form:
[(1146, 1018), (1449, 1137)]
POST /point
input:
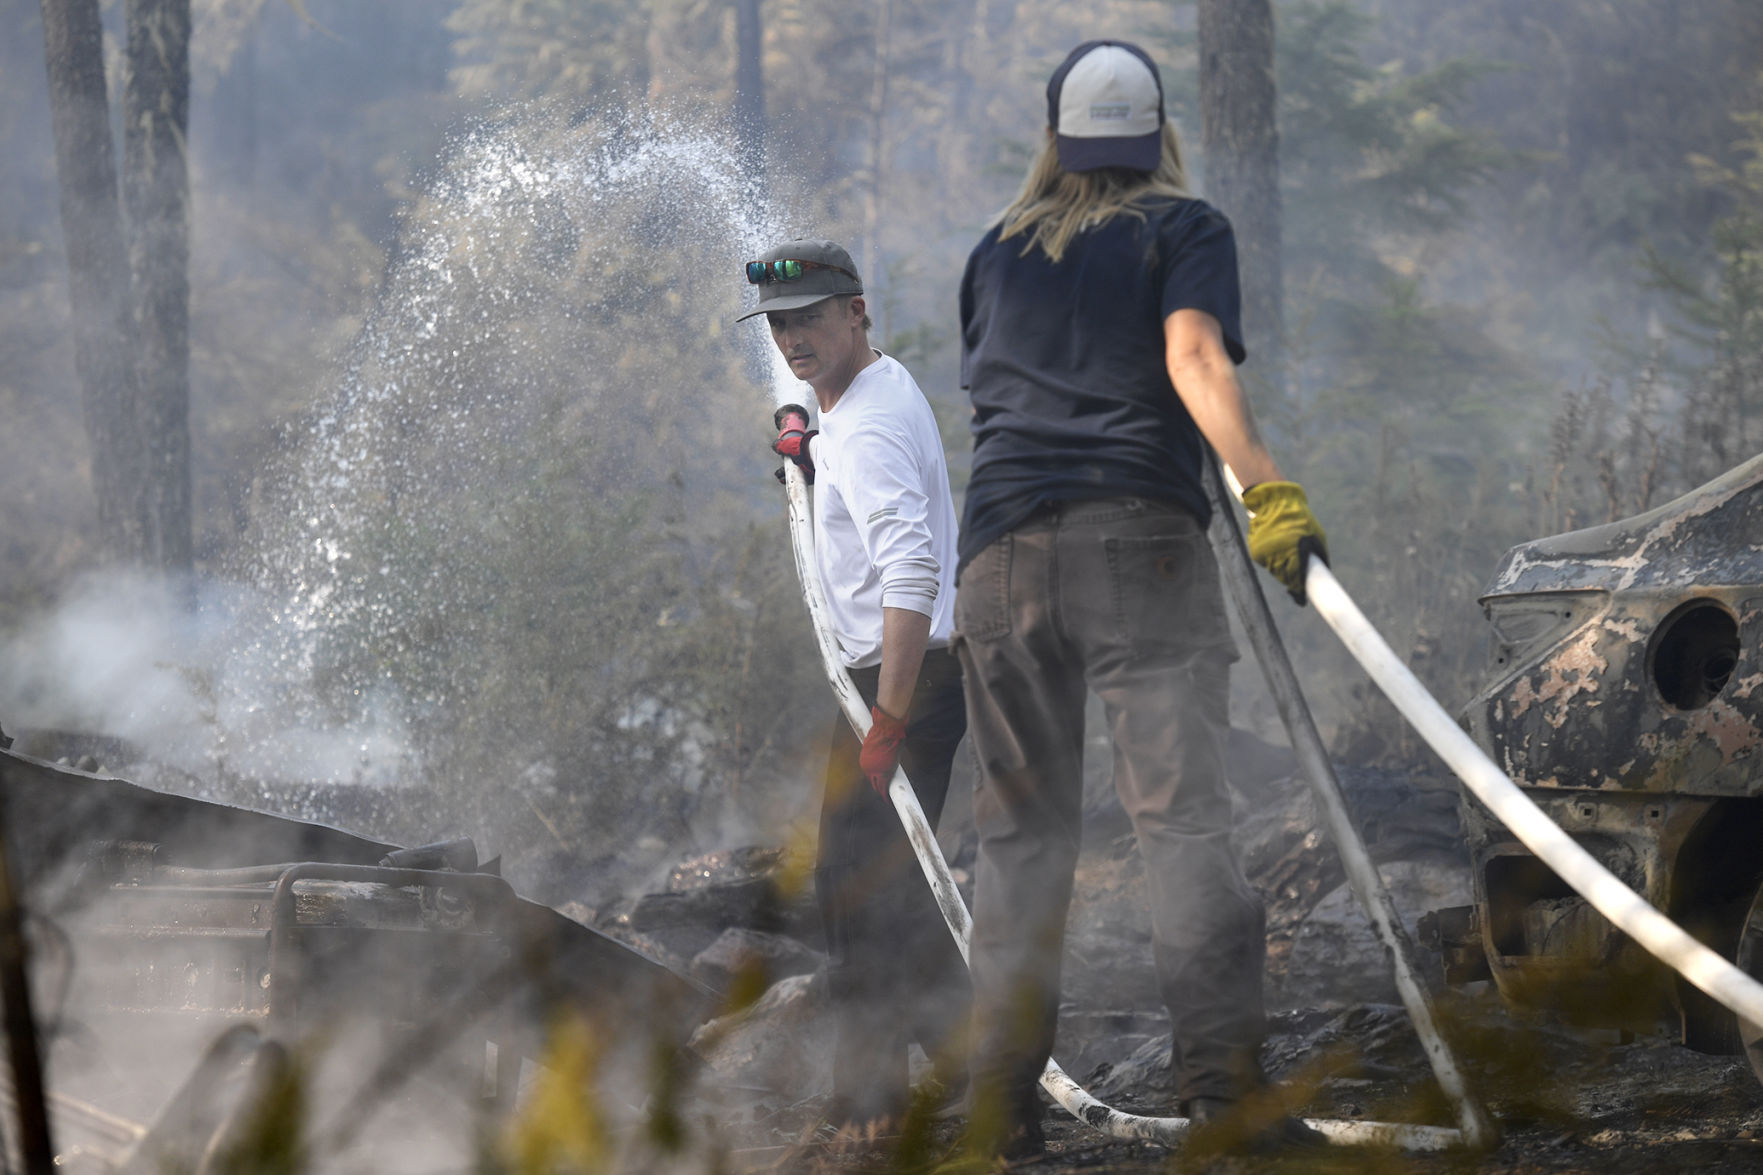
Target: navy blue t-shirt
[(1066, 364)]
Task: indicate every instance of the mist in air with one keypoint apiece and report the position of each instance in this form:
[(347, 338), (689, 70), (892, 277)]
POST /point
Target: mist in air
[(482, 507), (486, 540)]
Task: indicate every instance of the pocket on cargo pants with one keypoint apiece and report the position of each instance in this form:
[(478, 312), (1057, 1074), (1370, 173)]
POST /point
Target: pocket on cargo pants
[(982, 594), (1165, 590)]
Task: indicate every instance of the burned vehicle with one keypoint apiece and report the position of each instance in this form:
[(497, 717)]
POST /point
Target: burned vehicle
[(1624, 699), (191, 958)]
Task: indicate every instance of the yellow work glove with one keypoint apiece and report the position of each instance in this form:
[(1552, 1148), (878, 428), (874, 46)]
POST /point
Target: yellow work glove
[(1282, 531)]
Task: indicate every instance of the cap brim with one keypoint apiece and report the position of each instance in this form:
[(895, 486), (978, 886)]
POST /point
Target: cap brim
[(787, 302), (1140, 153)]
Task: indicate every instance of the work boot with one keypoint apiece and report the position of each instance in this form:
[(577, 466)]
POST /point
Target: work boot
[(868, 1117), (1005, 1135), (1234, 1127), (1021, 1143)]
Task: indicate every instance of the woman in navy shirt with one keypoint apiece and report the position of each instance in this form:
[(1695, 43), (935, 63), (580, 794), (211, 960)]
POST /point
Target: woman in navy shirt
[(1100, 332)]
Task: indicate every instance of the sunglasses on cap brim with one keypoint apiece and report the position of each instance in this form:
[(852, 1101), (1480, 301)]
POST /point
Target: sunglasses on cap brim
[(788, 269)]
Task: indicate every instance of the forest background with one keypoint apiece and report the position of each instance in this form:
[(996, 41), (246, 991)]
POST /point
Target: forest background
[(1523, 258)]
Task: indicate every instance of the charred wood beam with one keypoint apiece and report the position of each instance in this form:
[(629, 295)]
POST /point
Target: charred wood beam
[(23, 1055)]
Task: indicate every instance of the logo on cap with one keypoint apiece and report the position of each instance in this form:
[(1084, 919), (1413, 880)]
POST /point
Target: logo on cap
[(1110, 110)]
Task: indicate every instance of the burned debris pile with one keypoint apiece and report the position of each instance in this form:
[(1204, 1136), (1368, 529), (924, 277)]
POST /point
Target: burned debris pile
[(743, 922), (722, 913)]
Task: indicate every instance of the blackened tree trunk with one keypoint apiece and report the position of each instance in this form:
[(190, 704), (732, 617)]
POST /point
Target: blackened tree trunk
[(750, 84), (97, 264), (156, 195), (1239, 139)]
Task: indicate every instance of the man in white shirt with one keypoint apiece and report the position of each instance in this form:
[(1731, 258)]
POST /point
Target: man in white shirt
[(884, 531)]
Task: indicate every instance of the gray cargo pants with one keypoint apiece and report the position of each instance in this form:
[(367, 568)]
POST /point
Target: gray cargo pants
[(1121, 596)]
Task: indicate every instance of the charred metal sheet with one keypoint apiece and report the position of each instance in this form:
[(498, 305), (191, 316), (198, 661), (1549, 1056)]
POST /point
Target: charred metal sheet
[(1455, 933), (60, 818), (171, 896), (1627, 656)]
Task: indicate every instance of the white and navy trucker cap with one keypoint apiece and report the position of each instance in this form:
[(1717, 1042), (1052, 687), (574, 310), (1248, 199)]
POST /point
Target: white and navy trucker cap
[(1105, 105)]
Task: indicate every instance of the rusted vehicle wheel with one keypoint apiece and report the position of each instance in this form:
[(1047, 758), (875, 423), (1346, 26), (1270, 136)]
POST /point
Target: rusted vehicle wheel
[(1749, 958)]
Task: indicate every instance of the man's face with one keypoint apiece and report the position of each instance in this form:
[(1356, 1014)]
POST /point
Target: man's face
[(818, 340)]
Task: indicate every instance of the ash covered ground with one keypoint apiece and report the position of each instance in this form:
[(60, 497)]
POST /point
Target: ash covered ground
[(1567, 1099)]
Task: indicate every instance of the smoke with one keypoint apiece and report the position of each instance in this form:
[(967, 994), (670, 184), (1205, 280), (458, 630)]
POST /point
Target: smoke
[(197, 691)]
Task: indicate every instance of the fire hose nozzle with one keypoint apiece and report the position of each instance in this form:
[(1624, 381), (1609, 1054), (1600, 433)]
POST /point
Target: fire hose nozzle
[(791, 417)]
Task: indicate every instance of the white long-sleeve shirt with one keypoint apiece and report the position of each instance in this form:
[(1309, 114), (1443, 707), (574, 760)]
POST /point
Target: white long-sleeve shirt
[(884, 520)]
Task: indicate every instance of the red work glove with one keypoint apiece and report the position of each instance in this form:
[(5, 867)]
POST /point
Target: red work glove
[(793, 435), (881, 749)]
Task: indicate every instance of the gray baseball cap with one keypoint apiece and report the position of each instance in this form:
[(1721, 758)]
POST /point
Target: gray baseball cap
[(822, 270), (1105, 105)]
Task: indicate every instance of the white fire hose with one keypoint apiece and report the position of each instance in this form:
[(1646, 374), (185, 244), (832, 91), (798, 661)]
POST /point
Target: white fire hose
[(1630, 913), (1054, 1080)]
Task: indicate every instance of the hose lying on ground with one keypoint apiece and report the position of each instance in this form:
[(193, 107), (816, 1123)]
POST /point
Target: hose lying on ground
[(1054, 1080)]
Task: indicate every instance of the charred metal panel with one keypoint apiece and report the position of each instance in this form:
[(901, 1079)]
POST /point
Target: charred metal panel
[(1628, 656), (57, 818), (1455, 933), (126, 871), (1624, 697)]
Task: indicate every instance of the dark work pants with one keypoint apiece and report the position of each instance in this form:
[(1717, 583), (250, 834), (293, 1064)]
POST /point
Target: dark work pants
[(1120, 596), (894, 973)]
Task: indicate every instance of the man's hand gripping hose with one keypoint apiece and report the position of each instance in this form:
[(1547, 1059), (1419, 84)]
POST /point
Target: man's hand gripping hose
[(1073, 1097), (880, 757), (793, 436)]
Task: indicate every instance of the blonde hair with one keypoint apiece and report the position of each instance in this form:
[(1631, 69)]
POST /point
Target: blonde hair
[(1055, 205)]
